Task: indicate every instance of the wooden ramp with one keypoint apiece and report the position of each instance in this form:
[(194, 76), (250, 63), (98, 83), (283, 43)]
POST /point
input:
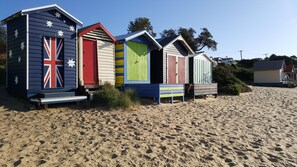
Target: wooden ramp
[(158, 91)]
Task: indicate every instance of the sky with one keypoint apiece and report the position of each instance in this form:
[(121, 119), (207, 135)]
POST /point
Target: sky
[(257, 27)]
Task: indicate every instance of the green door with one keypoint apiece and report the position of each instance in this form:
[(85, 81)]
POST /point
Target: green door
[(137, 61)]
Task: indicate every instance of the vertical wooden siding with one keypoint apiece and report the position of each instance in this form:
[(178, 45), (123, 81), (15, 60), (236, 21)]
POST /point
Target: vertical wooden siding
[(181, 70), (38, 29), (137, 61), (202, 71), (16, 68), (171, 69), (176, 49)]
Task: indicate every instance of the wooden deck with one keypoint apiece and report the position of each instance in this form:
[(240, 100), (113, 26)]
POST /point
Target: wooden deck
[(158, 91), (201, 89)]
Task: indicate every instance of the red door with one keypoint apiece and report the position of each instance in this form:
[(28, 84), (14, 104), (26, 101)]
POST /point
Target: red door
[(171, 69), (181, 70), (90, 72)]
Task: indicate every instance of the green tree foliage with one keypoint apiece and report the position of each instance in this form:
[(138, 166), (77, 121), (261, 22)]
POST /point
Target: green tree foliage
[(288, 60), (248, 63), (2, 39), (141, 23), (189, 36), (205, 39), (227, 81)]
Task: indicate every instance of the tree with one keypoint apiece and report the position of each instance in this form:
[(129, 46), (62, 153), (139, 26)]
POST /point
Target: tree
[(168, 33), (2, 39), (287, 59), (141, 23), (189, 36), (205, 39)]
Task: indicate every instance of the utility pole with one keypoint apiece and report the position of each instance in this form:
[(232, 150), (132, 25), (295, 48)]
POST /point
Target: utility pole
[(265, 55), (240, 54)]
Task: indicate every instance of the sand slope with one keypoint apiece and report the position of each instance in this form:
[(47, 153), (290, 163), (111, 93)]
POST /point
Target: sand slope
[(254, 129)]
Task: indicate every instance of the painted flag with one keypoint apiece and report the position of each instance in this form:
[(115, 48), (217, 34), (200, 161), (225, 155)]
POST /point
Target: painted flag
[(53, 62)]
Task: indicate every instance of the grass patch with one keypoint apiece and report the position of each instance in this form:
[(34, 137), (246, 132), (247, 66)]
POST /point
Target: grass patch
[(111, 97)]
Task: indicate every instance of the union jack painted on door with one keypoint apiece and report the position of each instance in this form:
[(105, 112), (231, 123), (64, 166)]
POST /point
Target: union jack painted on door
[(53, 62)]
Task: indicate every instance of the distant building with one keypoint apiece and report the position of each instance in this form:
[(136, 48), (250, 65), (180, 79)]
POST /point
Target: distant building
[(269, 73), (226, 60), (290, 72)]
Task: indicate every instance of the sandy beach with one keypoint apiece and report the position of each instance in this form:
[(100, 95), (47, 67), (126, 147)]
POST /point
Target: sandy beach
[(253, 129)]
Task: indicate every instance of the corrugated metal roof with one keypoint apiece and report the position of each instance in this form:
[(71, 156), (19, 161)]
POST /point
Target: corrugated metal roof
[(129, 36), (43, 8), (269, 65)]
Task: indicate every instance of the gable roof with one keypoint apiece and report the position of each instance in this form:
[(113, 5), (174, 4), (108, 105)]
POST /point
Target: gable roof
[(199, 54), (42, 8), (269, 65), (128, 37), (165, 41), (89, 28)]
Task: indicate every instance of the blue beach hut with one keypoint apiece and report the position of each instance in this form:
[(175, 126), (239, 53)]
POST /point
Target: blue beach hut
[(42, 55)]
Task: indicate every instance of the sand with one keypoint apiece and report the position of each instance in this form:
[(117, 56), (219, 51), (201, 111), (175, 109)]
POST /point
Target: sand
[(253, 129)]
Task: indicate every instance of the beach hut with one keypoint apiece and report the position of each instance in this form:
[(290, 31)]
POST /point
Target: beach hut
[(269, 73), (41, 55), (133, 66), (96, 56), (200, 76), (133, 58), (170, 64)]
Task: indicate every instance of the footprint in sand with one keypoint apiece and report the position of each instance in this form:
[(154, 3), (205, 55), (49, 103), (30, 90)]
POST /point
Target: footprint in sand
[(17, 163)]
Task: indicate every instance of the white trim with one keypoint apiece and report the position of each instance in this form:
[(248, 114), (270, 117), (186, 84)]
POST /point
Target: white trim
[(54, 99), (6, 68), (176, 69), (180, 38), (38, 8), (141, 33), (203, 54), (52, 6), (80, 61), (76, 59), (27, 52)]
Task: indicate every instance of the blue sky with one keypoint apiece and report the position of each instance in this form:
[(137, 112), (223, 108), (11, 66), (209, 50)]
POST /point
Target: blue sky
[(256, 26)]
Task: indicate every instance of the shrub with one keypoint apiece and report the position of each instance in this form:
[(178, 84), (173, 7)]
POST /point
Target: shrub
[(233, 89), (124, 101), (227, 82), (132, 94), (108, 95), (111, 97)]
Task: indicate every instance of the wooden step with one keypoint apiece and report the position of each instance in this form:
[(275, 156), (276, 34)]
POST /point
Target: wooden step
[(56, 94)]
